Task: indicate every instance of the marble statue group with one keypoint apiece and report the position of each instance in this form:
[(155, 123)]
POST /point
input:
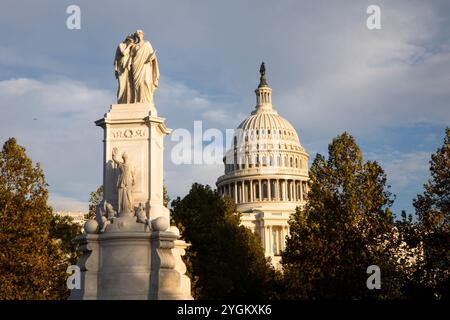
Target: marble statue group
[(136, 69)]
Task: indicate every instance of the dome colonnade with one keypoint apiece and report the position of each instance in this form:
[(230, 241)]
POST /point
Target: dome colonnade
[(266, 172)]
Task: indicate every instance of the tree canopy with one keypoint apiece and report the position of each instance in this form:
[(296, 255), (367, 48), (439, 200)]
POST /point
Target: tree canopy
[(433, 210), (342, 229), (433, 206), (95, 198), (32, 260), (226, 260)]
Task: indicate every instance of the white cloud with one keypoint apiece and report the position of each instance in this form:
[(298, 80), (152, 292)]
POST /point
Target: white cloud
[(53, 120), (62, 203), (179, 178), (224, 116), (328, 72), (366, 80), (407, 169), (178, 97), (406, 173), (182, 105)]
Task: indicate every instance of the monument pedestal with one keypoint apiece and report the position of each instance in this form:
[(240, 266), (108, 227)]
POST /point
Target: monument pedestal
[(130, 266), (136, 130), (130, 251)]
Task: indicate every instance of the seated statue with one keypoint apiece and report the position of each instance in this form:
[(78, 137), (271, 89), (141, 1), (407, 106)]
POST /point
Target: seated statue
[(141, 216), (104, 214)]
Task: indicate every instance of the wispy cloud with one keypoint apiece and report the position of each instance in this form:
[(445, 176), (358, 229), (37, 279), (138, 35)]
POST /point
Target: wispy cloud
[(54, 121), (54, 118), (62, 203), (406, 173), (328, 72), (406, 170)]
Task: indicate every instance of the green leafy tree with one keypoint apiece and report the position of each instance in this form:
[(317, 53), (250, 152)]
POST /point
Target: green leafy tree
[(32, 261), (95, 198), (433, 210), (342, 230), (225, 260), (433, 206), (166, 198), (65, 230)]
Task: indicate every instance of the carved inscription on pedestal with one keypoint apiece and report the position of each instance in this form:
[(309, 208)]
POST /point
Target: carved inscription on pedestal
[(128, 133)]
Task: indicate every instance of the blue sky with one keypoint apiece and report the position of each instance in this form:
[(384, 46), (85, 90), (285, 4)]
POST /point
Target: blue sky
[(329, 73)]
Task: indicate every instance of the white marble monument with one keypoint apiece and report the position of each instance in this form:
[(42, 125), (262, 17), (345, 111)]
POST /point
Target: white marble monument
[(130, 251)]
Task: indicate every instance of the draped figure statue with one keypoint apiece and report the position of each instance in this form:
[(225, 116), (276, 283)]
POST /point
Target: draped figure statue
[(122, 66), (125, 183), (136, 68), (144, 68)]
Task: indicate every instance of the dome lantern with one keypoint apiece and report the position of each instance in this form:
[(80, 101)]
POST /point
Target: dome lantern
[(263, 92)]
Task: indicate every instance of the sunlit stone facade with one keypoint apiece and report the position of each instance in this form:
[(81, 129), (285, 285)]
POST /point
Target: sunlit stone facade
[(266, 172)]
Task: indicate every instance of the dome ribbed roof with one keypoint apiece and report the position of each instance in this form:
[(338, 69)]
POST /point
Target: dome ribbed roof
[(265, 147), (269, 120), (264, 125)]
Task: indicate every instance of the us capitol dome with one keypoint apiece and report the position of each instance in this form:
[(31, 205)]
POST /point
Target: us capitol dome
[(266, 172)]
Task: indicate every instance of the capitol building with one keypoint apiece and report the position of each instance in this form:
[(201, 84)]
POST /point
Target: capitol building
[(266, 172)]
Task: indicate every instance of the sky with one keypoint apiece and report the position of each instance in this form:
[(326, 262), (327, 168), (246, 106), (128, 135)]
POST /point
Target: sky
[(388, 87)]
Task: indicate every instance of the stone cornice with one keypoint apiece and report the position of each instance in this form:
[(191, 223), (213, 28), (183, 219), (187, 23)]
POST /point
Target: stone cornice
[(257, 175)]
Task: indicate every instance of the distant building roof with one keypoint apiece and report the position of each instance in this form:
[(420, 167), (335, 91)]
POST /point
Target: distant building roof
[(77, 216)]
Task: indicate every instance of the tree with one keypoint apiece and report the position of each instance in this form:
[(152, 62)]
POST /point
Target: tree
[(166, 198), (32, 261), (225, 260), (342, 230), (433, 210), (95, 198), (433, 206), (65, 230)]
